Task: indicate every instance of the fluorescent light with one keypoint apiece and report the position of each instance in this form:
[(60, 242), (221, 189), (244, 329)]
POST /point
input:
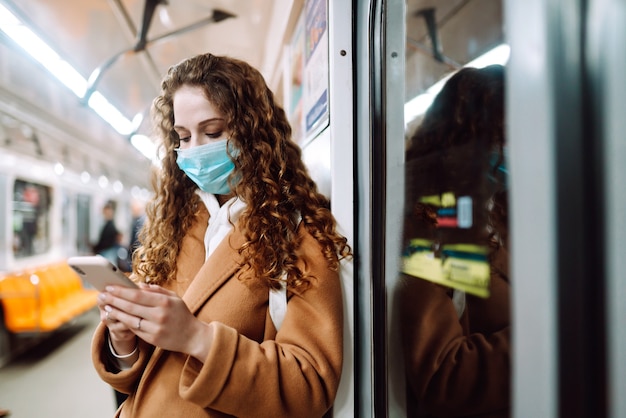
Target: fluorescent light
[(7, 18), (58, 168), (41, 52), (136, 122), (85, 177), (67, 75), (62, 70), (118, 186), (103, 181), (140, 193), (420, 103), (109, 113), (145, 146), (498, 55)]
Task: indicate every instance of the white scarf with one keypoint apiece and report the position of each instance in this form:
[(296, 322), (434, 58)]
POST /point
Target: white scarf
[(221, 219), (219, 226)]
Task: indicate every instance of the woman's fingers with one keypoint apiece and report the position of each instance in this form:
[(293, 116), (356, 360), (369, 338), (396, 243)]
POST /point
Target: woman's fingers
[(118, 330), (158, 289), (146, 295), (156, 315), (135, 302), (128, 311), (128, 322)]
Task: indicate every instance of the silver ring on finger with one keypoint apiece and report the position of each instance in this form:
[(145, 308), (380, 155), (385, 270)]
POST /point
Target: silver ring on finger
[(106, 316), (139, 324)]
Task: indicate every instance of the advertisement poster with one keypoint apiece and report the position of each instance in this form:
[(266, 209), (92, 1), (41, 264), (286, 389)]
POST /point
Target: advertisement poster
[(316, 82), (295, 86)]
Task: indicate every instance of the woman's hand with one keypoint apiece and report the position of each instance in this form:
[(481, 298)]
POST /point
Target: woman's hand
[(122, 339), (157, 316)]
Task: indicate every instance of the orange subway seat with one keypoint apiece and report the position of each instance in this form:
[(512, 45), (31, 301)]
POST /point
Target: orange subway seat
[(72, 280), (64, 289), (51, 312), (55, 286), (83, 298), (18, 297), (64, 284), (74, 300), (45, 298)]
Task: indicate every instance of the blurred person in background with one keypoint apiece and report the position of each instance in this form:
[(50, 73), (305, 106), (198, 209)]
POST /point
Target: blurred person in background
[(456, 343), (109, 242)]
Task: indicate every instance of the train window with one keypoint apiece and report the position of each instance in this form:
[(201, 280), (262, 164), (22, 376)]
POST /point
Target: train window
[(453, 305), (31, 218), (83, 225)]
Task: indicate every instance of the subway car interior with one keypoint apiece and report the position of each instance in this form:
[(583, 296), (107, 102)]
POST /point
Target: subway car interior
[(472, 152)]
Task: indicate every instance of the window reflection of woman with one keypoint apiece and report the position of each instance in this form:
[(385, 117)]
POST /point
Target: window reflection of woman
[(457, 349)]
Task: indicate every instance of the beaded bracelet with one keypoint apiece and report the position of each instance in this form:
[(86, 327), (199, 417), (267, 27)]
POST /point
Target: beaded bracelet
[(125, 356)]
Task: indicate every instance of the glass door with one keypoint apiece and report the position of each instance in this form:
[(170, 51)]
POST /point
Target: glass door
[(446, 209), (501, 208)]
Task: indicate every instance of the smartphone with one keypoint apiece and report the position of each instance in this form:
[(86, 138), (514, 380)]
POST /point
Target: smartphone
[(99, 272)]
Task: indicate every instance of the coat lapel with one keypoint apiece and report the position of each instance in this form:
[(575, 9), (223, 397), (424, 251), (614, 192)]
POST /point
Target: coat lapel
[(221, 265)]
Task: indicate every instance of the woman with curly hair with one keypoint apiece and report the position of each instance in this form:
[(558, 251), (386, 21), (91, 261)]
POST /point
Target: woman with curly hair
[(457, 344), (239, 308)]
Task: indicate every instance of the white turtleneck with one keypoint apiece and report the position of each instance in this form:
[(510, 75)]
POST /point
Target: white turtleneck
[(221, 219), (219, 226)]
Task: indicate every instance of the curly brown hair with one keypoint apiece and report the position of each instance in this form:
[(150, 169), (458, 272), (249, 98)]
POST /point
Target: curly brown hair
[(269, 176)]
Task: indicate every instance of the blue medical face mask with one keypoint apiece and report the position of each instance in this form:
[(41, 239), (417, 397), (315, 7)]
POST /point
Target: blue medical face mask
[(207, 165)]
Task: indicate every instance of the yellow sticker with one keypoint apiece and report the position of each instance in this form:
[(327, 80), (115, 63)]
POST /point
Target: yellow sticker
[(448, 200), (469, 275), (425, 265), (463, 266)]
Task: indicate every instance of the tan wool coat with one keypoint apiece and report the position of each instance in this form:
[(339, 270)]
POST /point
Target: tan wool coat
[(457, 367), (251, 370)]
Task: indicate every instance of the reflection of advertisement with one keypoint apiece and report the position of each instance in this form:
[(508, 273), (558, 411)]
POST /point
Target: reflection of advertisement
[(450, 210), (316, 69)]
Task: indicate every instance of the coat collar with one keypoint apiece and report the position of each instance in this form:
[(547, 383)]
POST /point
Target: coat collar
[(220, 266)]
